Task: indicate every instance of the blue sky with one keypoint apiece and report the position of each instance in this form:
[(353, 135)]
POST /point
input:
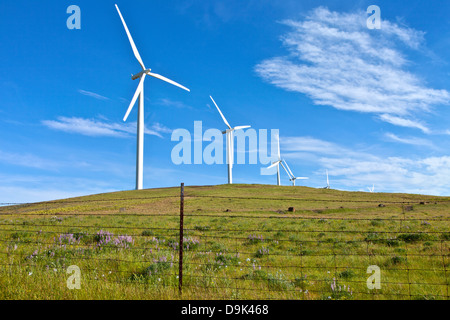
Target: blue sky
[(370, 106)]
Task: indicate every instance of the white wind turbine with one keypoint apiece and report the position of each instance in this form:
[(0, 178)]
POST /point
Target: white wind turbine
[(328, 182), (230, 142), (290, 174), (140, 92), (371, 189), (277, 163)]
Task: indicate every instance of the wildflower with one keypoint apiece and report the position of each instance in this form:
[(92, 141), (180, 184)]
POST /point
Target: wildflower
[(30, 273)]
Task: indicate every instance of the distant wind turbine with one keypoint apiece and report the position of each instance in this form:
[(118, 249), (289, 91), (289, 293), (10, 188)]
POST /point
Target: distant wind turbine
[(230, 142), (371, 189), (140, 92), (328, 182), (290, 174)]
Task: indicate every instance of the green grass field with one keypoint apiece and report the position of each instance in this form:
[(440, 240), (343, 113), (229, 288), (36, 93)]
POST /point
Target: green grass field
[(240, 242)]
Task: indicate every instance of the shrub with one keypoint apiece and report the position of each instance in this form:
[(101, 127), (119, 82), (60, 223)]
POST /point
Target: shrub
[(346, 274), (339, 292), (445, 236), (158, 266), (414, 237), (397, 260), (372, 236), (261, 252), (147, 233), (376, 222), (278, 281), (202, 228), (252, 239)]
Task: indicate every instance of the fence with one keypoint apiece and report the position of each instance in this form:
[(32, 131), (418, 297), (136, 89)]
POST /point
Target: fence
[(223, 246)]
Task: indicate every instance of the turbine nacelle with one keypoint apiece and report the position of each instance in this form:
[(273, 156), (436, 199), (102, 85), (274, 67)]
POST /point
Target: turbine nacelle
[(138, 75)]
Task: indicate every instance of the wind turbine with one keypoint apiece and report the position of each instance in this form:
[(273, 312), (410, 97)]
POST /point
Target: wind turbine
[(140, 92), (230, 142), (371, 189), (277, 163), (290, 174), (328, 182)]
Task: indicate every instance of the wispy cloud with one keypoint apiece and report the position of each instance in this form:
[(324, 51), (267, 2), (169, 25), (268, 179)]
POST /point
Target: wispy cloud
[(412, 141), (314, 146), (359, 169), (92, 94), (175, 104), (97, 128), (398, 121), (336, 61), (28, 160)]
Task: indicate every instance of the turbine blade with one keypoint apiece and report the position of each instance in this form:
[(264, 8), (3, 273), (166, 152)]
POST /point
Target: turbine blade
[(288, 168), (241, 127), (301, 178), (133, 46), (273, 165), (168, 80), (133, 101), (290, 177), (221, 114)]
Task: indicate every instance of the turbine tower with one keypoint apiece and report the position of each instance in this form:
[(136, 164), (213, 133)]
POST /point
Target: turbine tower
[(277, 163), (140, 92), (328, 182), (230, 142)]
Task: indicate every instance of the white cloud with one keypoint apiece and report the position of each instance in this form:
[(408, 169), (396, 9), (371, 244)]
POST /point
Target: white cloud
[(412, 141), (335, 60), (309, 144), (96, 128), (170, 103), (92, 94), (28, 160), (358, 169), (398, 121)]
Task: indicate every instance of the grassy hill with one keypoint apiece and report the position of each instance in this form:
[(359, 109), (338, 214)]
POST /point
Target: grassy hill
[(240, 241)]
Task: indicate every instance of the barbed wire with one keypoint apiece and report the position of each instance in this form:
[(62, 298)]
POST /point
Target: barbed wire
[(198, 257)]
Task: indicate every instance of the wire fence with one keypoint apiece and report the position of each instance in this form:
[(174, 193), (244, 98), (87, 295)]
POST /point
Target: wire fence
[(197, 246)]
